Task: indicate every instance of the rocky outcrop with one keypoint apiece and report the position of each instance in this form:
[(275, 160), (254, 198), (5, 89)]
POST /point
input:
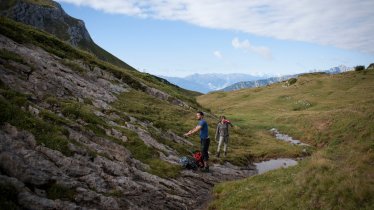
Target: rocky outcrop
[(51, 19), (99, 182), (45, 74)]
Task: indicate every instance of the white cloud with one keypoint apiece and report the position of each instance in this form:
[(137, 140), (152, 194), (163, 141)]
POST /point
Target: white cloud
[(347, 24), (218, 54), (247, 46)]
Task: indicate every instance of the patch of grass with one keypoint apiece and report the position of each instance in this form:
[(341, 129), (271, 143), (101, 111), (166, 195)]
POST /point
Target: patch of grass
[(114, 193), (56, 191), (73, 66), (301, 105), (50, 135), (51, 100), (54, 118), (44, 3), (150, 156), (9, 55), (162, 114), (75, 110), (164, 169)]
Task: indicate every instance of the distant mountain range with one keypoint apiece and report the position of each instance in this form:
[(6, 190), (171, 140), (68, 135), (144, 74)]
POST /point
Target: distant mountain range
[(205, 83), (271, 80), (257, 83)]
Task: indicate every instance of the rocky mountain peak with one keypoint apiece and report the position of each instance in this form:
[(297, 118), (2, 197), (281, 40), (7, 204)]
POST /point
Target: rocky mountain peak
[(49, 17)]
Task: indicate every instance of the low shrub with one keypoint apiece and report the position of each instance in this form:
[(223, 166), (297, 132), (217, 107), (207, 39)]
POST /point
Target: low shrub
[(359, 68)]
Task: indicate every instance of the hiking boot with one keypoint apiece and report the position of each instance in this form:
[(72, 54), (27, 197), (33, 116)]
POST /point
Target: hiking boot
[(217, 155)]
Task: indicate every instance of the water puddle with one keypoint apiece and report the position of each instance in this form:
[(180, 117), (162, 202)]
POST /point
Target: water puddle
[(286, 138), (268, 165)]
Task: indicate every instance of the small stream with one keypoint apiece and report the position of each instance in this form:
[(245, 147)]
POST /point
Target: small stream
[(273, 164), (286, 138), (268, 165)]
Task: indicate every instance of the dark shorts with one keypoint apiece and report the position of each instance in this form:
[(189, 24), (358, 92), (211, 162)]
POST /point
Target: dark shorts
[(204, 148)]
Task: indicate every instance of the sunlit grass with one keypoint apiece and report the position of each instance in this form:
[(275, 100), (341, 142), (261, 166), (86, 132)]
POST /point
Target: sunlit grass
[(339, 123)]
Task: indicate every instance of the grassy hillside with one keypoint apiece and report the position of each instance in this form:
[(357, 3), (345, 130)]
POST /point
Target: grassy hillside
[(335, 113)]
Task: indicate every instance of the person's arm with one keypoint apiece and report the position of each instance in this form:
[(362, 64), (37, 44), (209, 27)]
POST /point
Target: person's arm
[(189, 133)]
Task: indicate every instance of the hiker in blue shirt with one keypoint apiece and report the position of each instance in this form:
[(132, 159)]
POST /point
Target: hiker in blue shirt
[(204, 138)]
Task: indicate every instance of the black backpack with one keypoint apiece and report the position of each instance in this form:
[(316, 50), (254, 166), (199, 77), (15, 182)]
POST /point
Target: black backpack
[(188, 163)]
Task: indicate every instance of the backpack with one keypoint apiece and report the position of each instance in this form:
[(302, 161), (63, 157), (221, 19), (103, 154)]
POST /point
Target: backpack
[(198, 159), (188, 163)]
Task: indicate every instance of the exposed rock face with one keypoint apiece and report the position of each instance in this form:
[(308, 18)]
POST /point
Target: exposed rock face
[(100, 173), (52, 19)]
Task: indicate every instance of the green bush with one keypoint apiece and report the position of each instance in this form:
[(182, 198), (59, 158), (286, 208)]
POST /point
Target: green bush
[(359, 68), (292, 81)]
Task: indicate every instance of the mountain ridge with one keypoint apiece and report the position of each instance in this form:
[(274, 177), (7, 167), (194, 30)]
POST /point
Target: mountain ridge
[(49, 16), (205, 83)]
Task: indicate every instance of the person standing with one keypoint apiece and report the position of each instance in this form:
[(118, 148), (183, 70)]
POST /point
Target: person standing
[(222, 134), (202, 126)]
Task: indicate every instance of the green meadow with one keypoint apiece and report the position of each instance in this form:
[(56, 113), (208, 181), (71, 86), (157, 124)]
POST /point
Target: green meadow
[(333, 113)]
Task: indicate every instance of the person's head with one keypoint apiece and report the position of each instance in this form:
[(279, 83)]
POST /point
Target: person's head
[(199, 115), (222, 118)]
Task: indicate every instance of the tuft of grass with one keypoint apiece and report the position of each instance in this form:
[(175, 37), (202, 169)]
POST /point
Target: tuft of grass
[(51, 100), (9, 55), (57, 191), (164, 169), (75, 110), (114, 193), (74, 66)]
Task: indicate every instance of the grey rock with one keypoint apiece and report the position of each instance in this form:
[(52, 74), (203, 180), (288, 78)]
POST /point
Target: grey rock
[(44, 17)]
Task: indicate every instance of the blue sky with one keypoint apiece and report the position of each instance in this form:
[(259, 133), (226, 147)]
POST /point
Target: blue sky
[(181, 37)]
